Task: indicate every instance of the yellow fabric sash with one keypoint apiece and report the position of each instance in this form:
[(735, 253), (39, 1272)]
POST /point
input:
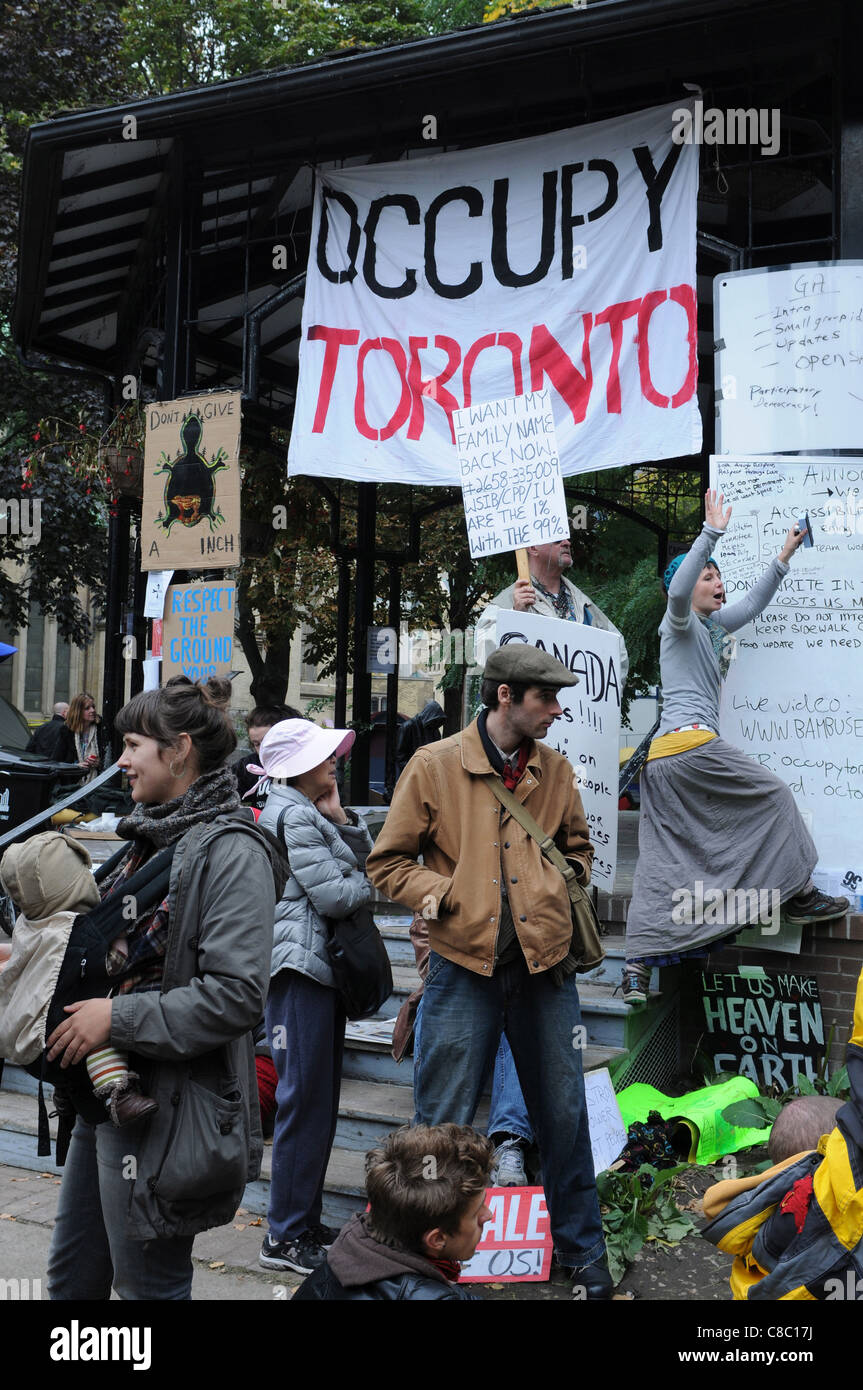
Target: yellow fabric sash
[(668, 744)]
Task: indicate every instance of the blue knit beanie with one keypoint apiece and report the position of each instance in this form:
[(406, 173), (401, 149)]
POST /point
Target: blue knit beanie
[(674, 565)]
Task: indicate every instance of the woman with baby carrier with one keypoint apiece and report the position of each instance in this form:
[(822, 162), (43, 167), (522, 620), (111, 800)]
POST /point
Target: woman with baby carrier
[(713, 822), (192, 972)]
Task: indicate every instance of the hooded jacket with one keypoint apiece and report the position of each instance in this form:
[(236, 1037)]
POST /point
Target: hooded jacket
[(49, 878), (360, 1268), (818, 1252)]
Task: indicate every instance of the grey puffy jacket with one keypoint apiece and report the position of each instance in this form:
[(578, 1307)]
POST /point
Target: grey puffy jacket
[(327, 880)]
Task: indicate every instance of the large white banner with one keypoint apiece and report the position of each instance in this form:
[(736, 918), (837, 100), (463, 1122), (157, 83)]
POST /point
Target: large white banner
[(588, 731), (565, 261), (793, 699)]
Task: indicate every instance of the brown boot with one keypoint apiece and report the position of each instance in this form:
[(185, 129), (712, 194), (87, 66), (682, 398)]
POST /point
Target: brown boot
[(128, 1104)]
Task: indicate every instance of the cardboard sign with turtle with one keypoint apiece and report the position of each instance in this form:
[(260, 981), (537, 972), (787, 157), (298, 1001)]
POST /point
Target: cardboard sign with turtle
[(191, 510)]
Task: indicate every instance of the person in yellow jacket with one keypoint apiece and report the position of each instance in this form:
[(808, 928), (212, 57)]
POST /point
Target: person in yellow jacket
[(796, 1231)]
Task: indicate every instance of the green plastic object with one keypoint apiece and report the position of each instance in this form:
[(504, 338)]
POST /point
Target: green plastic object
[(701, 1112)]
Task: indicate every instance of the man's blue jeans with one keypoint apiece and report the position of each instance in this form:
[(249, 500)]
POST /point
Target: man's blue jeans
[(464, 1016), (507, 1112)]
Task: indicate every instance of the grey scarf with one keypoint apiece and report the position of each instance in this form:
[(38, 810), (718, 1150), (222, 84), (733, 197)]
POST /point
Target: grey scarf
[(213, 794)]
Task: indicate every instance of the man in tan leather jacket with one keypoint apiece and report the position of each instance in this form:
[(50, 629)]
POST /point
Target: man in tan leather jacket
[(500, 931)]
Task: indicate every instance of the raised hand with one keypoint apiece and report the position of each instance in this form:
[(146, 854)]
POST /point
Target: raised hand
[(715, 514), (794, 538)]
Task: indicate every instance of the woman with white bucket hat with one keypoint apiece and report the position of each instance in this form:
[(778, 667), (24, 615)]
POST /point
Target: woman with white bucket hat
[(327, 847)]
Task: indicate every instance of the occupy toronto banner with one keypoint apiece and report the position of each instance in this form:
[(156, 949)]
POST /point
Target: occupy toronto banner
[(566, 260)]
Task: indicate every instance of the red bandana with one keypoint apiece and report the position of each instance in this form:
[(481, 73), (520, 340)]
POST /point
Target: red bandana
[(514, 771), (450, 1269), (796, 1202)]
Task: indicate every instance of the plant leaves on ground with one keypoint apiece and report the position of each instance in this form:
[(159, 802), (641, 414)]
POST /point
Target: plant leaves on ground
[(637, 1208)]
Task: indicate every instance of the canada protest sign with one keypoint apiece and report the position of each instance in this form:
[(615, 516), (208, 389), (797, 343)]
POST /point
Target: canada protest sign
[(566, 262)]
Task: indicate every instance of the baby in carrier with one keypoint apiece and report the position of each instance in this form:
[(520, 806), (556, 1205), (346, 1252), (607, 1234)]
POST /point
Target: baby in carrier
[(48, 878)]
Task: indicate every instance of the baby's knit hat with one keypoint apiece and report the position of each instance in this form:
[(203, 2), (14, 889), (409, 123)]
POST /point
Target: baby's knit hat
[(48, 873)]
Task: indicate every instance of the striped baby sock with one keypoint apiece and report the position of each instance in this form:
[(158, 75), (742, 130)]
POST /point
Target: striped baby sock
[(107, 1068)]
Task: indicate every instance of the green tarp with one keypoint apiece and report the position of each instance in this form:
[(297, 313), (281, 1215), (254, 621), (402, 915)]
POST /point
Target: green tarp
[(701, 1112)]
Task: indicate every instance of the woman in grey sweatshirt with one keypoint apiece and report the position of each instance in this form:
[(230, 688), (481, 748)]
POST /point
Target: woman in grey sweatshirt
[(721, 843)]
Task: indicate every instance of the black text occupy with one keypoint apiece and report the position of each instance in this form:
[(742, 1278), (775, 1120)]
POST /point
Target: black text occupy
[(655, 182)]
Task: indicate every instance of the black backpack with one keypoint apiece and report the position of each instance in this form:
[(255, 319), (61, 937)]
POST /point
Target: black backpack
[(83, 975), (279, 861)]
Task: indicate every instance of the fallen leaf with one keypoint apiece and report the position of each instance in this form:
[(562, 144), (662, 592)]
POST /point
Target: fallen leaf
[(20, 1180), (6, 1216), (495, 1286), (258, 1221), (241, 1227), (217, 1264), (241, 1211), (623, 1297), (46, 1175)]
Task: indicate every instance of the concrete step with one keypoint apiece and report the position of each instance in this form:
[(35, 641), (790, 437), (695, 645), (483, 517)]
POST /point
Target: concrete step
[(343, 1189)]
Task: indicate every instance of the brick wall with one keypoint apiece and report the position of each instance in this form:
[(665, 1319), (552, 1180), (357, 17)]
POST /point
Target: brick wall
[(833, 954)]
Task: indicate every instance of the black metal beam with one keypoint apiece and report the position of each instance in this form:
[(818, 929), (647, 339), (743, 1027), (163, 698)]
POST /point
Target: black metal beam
[(364, 599), (88, 245), (99, 287), (69, 275), (850, 119), (121, 172), (97, 310), (394, 613), (100, 212)]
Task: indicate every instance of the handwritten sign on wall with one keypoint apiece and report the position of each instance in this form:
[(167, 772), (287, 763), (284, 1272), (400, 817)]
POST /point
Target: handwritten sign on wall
[(198, 632), (510, 474), (588, 730), (793, 699), (789, 351), (767, 1027)]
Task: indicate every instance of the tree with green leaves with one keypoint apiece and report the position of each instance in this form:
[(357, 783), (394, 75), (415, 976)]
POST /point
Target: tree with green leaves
[(173, 44)]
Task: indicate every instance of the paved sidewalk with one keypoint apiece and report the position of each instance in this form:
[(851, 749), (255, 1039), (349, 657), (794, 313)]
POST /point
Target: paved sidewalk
[(225, 1259)]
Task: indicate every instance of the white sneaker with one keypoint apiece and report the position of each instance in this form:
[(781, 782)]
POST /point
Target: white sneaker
[(508, 1169)]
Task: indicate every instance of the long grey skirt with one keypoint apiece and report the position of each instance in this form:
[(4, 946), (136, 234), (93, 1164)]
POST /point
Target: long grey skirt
[(720, 845)]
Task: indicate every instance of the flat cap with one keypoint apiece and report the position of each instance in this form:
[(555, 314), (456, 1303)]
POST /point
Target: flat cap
[(519, 661)]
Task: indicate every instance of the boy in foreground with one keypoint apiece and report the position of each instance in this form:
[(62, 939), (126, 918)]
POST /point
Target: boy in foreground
[(426, 1188)]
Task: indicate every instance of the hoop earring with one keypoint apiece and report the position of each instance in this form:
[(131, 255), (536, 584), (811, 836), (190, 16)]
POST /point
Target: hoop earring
[(174, 774)]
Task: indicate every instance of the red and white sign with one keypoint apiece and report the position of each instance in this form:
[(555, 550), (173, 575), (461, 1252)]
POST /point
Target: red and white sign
[(564, 261), (516, 1244)]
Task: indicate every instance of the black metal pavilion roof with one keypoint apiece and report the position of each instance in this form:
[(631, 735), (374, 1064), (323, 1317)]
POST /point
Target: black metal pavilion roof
[(120, 236)]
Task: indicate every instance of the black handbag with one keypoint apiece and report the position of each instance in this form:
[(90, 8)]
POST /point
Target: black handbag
[(357, 954), (359, 961)]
